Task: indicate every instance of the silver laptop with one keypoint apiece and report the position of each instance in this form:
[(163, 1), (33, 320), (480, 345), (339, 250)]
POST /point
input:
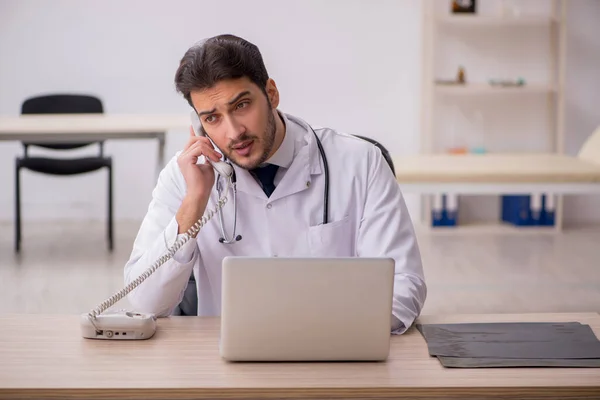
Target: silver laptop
[(306, 309)]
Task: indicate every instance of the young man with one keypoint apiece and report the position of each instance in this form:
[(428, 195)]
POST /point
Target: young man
[(279, 162)]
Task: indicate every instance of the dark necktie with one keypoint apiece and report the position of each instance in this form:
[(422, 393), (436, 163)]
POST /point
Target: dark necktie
[(266, 176)]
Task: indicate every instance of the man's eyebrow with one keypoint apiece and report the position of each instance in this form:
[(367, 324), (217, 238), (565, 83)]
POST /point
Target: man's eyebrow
[(230, 102), (239, 96), (201, 113)]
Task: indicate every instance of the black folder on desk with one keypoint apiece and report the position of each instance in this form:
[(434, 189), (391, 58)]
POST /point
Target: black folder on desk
[(528, 344)]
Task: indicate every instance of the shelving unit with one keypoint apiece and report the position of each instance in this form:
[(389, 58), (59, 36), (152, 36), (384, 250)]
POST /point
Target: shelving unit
[(487, 228), (494, 20), (485, 88), (493, 44)]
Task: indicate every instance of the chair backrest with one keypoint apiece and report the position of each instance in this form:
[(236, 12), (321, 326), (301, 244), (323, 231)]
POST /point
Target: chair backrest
[(62, 104), (384, 151), (590, 151)]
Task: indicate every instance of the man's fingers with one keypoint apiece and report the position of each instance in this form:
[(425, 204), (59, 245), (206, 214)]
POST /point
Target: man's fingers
[(195, 139), (206, 167), (201, 148)]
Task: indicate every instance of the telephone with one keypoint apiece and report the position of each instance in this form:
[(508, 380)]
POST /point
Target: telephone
[(223, 168), (128, 325)]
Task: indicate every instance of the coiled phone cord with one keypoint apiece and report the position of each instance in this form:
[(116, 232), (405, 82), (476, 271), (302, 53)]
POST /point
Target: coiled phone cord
[(170, 252)]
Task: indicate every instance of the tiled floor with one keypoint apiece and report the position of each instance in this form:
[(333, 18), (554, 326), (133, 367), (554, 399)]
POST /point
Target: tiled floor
[(66, 268)]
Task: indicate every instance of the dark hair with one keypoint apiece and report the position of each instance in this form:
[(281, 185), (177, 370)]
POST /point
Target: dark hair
[(219, 58)]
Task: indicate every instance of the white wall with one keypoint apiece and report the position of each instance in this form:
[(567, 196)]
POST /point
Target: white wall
[(349, 64)]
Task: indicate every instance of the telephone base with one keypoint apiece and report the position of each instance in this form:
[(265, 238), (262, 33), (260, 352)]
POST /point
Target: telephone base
[(119, 325)]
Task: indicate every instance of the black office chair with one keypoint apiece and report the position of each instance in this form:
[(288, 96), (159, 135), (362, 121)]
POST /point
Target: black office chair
[(62, 104), (384, 151)]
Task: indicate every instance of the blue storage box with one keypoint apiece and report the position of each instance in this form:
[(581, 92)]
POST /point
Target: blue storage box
[(516, 210), (444, 217)]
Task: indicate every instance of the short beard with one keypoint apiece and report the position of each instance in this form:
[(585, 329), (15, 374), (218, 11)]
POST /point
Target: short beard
[(269, 141)]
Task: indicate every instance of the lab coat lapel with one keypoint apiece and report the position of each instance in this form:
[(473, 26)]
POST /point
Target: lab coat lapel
[(296, 178), (299, 176)]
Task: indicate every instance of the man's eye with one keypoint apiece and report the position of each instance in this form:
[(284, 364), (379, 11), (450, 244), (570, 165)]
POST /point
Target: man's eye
[(209, 119), (243, 104)]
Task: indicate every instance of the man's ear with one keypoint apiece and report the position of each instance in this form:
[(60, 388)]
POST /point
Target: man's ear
[(272, 93)]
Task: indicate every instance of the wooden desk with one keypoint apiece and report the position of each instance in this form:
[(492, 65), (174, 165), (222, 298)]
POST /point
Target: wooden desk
[(44, 356), (57, 128), (497, 173)]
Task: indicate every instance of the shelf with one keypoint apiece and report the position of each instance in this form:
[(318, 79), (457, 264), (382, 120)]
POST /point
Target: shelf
[(484, 88), (488, 228), (495, 21)]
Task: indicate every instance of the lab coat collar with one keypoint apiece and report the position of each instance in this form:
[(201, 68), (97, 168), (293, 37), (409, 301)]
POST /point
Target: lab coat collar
[(284, 155), (298, 177), (315, 164)]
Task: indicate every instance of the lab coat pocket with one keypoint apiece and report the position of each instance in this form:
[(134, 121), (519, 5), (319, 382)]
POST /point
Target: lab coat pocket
[(335, 239)]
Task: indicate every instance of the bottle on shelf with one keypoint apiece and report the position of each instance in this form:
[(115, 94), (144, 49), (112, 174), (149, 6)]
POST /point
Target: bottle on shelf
[(478, 141), (461, 75), (458, 125)]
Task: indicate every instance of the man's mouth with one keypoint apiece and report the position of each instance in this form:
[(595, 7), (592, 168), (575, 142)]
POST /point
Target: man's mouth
[(243, 149)]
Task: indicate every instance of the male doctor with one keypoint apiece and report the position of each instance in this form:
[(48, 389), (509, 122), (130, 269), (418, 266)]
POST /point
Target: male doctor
[(280, 182)]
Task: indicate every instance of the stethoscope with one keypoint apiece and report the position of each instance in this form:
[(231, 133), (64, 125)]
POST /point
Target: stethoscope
[(235, 238)]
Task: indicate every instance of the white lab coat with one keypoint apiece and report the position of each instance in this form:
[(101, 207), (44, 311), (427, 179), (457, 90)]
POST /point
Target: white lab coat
[(367, 217)]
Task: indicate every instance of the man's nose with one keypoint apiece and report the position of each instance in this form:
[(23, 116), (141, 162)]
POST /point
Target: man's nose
[(235, 128)]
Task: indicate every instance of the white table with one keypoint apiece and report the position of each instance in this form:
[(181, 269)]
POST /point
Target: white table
[(497, 174), (57, 128), (531, 174)]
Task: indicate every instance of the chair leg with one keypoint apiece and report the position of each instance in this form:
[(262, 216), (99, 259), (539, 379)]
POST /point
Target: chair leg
[(17, 208), (110, 209)]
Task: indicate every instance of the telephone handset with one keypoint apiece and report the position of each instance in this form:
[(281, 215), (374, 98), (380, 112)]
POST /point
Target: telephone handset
[(128, 325), (221, 167)]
